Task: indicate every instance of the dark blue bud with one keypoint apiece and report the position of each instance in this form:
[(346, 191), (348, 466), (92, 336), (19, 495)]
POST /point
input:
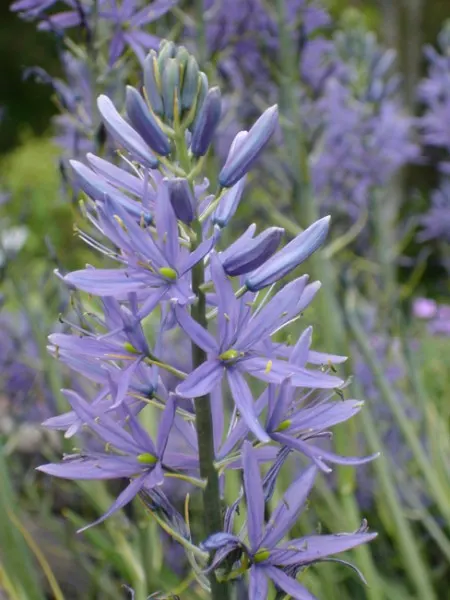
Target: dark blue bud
[(98, 189), (292, 255), (248, 255), (124, 133), (206, 124), (151, 78), (170, 85), (239, 162), (220, 540), (145, 123), (190, 83), (182, 198)]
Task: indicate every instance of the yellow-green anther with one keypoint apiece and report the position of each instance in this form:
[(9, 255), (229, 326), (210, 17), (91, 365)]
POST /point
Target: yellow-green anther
[(261, 555), (147, 459), (168, 273), (284, 425), (229, 355), (120, 222), (130, 348)]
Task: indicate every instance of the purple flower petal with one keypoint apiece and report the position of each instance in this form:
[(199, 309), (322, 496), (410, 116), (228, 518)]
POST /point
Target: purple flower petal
[(288, 584), (122, 500), (314, 547), (319, 456), (258, 587), (300, 351), (101, 467), (124, 133), (202, 338), (165, 425), (254, 496), (287, 511), (201, 381), (104, 282), (243, 400)]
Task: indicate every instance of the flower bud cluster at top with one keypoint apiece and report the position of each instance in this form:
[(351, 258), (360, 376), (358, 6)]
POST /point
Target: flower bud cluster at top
[(162, 226)]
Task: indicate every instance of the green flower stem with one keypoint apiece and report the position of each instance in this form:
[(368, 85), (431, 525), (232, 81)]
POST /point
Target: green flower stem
[(384, 211), (349, 236), (166, 367), (429, 473), (203, 423), (203, 414), (202, 48)]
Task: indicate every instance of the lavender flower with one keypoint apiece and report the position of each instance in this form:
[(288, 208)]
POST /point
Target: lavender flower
[(266, 557), (437, 315), (240, 348), (152, 269), (365, 137), (294, 422), (137, 456)]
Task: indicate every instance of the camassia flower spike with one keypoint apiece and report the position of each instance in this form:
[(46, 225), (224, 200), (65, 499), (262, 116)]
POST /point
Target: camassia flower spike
[(171, 276)]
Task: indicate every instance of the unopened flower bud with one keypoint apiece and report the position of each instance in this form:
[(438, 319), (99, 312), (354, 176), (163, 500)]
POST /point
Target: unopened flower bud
[(247, 254), (182, 198), (124, 133), (206, 124), (201, 95), (170, 84), (151, 77), (145, 123), (182, 56), (290, 256), (190, 83), (230, 200), (239, 162), (167, 50)]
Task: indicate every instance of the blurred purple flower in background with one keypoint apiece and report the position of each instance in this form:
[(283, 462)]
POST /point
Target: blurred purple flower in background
[(129, 19), (364, 135), (434, 93), (436, 222), (436, 315)]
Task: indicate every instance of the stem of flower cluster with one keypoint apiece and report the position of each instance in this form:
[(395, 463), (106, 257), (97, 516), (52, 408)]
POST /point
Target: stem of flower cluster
[(204, 426)]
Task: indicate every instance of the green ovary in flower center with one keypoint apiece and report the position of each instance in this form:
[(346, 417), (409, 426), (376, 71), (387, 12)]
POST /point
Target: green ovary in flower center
[(168, 273), (284, 425), (130, 348), (147, 459), (261, 555), (230, 355)]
